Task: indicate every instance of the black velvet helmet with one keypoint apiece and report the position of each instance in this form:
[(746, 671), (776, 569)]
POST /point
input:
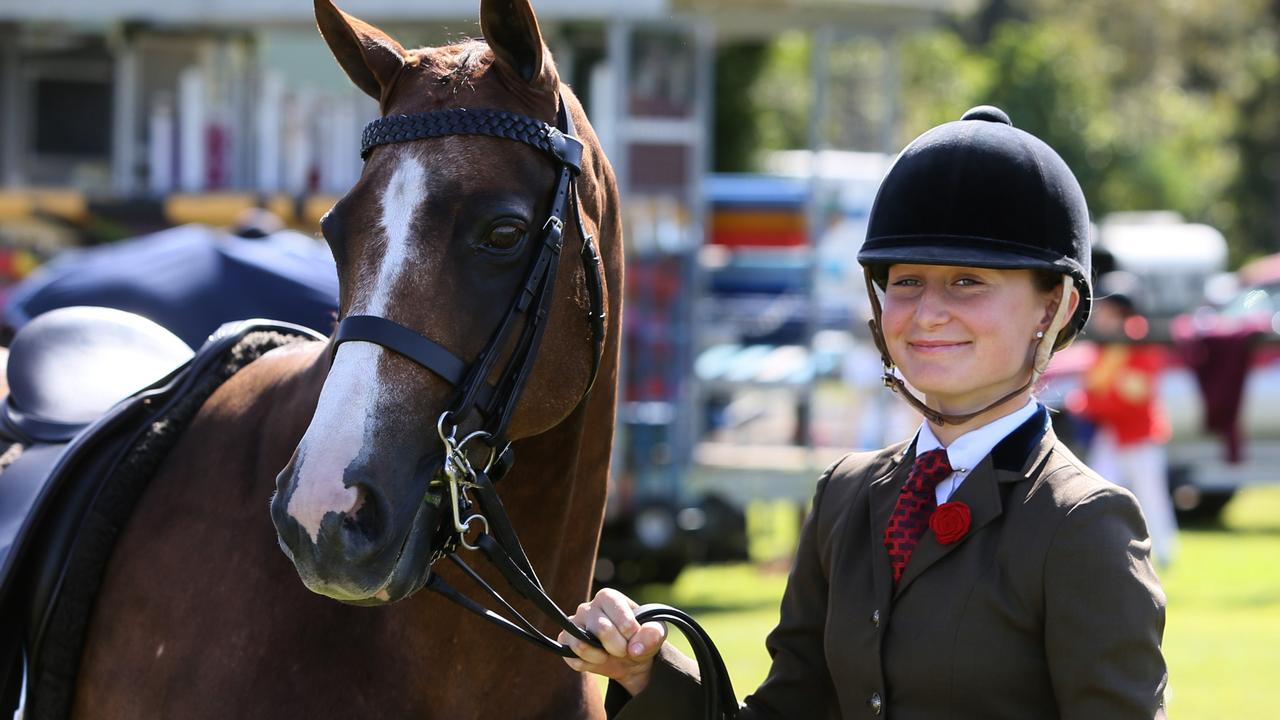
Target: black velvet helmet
[(979, 192)]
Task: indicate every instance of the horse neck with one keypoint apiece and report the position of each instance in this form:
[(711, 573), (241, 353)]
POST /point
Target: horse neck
[(555, 495)]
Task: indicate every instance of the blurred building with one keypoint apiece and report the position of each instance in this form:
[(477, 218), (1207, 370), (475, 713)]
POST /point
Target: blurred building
[(134, 97)]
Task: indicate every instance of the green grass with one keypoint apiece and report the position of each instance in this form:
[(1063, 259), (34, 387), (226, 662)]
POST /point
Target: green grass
[(1222, 640)]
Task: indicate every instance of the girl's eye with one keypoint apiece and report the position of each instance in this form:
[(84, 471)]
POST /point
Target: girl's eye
[(968, 282), (905, 282), (505, 236)]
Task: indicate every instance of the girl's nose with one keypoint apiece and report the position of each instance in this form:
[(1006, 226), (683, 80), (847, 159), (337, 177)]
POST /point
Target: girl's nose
[(932, 308)]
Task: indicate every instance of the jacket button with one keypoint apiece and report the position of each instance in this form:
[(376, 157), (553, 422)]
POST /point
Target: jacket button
[(875, 618), (876, 703)]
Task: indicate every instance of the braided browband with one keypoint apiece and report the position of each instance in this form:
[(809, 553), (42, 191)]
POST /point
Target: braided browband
[(464, 121)]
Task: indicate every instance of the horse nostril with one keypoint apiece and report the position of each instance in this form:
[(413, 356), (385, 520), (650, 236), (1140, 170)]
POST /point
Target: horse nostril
[(362, 493), (363, 517)]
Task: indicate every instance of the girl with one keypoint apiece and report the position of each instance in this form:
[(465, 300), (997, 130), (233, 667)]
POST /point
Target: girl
[(977, 570)]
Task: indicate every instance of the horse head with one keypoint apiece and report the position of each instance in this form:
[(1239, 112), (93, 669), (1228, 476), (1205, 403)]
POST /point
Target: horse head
[(438, 235)]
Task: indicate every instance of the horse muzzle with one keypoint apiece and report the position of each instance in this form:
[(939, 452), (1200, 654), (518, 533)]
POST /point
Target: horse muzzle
[(371, 556)]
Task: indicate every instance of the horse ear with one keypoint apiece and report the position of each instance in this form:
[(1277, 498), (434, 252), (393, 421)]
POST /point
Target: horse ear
[(511, 29), (370, 57)]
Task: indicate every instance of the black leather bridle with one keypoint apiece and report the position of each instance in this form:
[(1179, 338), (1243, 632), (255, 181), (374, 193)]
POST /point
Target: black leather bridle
[(495, 403), (470, 486)]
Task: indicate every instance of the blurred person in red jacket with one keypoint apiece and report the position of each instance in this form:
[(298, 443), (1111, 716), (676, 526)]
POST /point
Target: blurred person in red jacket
[(1119, 397)]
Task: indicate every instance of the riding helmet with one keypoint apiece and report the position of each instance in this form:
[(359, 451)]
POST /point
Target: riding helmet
[(979, 192)]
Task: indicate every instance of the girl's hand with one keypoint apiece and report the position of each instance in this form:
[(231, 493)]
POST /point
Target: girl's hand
[(629, 648)]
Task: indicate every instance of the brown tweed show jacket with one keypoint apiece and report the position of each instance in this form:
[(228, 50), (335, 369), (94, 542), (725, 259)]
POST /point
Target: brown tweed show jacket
[(1047, 608)]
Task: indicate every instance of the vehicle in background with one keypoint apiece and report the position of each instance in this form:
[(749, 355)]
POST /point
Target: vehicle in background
[(1238, 334), (1172, 259)]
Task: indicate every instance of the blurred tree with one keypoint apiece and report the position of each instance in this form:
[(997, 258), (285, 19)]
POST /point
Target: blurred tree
[(1139, 98), (857, 106), (1159, 104), (978, 29), (941, 78), (1196, 94), (783, 95), (1256, 190), (736, 131)]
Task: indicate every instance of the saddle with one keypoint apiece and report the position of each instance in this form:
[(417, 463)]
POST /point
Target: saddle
[(97, 398)]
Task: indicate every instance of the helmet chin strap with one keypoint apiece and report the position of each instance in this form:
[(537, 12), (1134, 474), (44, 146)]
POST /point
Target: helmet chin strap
[(1046, 347), (1043, 352)]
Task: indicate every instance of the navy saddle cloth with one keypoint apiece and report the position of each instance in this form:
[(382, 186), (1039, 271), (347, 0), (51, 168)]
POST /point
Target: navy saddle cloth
[(97, 398)]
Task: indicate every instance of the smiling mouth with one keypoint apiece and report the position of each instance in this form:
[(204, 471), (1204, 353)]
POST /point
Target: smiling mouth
[(934, 346)]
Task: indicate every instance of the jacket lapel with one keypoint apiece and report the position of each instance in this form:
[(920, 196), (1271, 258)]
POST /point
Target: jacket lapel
[(1011, 461)]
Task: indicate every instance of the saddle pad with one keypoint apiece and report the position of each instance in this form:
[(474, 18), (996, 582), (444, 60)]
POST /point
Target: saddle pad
[(56, 565)]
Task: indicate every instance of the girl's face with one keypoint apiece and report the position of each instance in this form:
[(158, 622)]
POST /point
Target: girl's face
[(963, 336)]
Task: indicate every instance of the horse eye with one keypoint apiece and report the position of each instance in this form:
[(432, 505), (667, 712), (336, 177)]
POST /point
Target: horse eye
[(505, 236)]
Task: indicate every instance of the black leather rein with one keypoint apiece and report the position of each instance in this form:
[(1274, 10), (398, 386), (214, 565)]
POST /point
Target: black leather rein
[(470, 489)]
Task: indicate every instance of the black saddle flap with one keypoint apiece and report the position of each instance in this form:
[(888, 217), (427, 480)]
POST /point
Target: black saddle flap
[(23, 482)]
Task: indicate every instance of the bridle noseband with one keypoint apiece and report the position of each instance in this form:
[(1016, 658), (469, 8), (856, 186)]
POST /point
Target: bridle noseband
[(470, 489)]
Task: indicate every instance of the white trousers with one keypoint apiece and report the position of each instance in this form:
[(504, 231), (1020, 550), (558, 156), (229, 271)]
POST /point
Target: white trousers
[(1142, 469)]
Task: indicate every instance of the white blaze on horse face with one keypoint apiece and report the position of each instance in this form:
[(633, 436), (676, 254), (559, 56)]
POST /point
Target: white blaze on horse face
[(401, 200), (338, 430), (334, 440)]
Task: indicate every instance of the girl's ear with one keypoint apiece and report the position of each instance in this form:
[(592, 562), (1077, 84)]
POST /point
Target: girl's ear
[(1051, 309)]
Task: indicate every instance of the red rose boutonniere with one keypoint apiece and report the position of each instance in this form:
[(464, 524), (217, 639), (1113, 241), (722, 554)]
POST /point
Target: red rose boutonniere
[(950, 522)]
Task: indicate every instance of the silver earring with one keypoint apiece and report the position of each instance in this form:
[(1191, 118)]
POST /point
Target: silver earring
[(1039, 334)]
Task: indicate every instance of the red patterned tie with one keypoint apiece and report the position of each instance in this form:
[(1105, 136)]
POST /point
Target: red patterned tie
[(915, 504)]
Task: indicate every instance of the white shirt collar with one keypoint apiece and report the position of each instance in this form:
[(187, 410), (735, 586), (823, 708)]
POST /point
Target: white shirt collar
[(966, 451)]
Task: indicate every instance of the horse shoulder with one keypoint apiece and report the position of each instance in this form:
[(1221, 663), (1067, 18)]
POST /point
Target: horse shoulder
[(270, 400)]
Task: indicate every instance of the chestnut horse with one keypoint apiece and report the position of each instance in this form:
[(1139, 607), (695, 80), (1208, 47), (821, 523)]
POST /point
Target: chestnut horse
[(202, 616)]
